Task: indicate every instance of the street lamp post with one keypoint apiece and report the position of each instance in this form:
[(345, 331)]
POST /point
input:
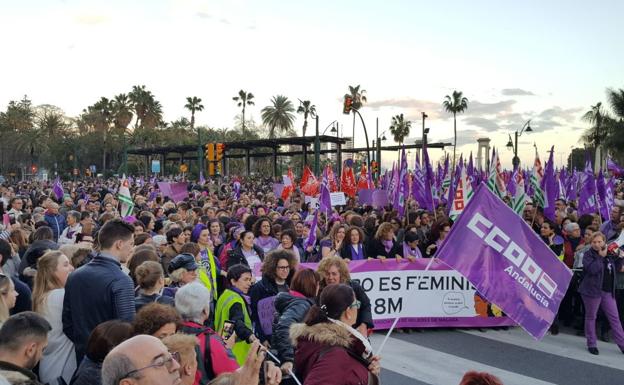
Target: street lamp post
[(200, 153), (317, 144), (424, 137), (514, 145), (368, 160)]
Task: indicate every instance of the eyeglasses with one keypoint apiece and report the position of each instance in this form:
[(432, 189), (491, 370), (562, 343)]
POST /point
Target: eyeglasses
[(356, 304), (283, 267), (161, 361)]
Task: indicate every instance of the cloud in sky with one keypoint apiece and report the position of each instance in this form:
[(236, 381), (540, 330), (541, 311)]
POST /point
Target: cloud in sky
[(414, 107), (516, 92), (476, 108), (486, 124)]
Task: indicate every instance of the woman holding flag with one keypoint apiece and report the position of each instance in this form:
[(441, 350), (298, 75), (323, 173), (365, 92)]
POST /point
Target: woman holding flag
[(601, 266)]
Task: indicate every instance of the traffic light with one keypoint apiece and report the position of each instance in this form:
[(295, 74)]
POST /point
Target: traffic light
[(220, 150), (209, 153), (374, 168), (348, 104), (33, 169)]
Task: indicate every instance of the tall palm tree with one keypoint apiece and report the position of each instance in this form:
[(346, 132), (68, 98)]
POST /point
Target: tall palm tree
[(307, 109), (122, 111), (359, 98), (242, 100), (278, 116), (455, 104), (616, 100), (400, 128), (193, 104), (101, 115), (596, 116)]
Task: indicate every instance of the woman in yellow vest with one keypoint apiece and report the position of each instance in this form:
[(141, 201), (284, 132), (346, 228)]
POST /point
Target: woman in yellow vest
[(210, 269), (234, 305)]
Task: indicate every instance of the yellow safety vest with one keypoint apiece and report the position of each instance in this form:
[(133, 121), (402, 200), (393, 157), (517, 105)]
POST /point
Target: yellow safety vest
[(208, 273), (222, 313)]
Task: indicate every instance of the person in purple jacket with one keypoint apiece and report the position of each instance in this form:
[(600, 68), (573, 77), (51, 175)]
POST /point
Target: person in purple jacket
[(600, 268)]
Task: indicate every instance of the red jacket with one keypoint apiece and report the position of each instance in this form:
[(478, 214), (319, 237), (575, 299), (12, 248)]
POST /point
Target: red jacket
[(324, 350), (568, 252)]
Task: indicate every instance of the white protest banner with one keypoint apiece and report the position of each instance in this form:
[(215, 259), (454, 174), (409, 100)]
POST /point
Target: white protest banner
[(337, 198)]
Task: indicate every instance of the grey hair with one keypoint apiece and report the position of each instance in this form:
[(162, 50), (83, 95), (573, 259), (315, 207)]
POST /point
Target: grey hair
[(115, 368), (74, 214), (176, 275), (191, 300)]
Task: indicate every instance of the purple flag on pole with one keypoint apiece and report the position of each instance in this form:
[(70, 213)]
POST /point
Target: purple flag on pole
[(401, 189), (601, 189), (507, 262), (176, 191), (325, 198), (58, 188), (587, 194), (311, 239), (428, 182), (550, 187), (202, 180)]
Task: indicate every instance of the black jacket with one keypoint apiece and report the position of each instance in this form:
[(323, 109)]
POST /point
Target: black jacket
[(365, 314), (288, 310), (142, 300), (376, 248), (264, 288), (236, 256), (32, 255), (88, 373), (97, 292)]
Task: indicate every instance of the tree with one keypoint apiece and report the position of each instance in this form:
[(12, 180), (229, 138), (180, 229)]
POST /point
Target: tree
[(278, 116), (359, 98), (455, 104), (242, 100), (596, 135), (307, 109), (400, 128), (193, 104), (122, 111)]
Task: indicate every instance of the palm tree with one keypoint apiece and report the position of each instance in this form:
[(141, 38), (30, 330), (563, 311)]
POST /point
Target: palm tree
[(100, 115), (307, 109), (616, 100), (193, 104), (359, 98), (242, 100), (122, 111), (455, 104), (400, 128), (139, 97), (596, 116), (278, 116)]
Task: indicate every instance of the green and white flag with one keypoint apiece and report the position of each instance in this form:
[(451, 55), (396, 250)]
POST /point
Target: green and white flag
[(495, 182), (463, 193), (536, 181), (125, 199)]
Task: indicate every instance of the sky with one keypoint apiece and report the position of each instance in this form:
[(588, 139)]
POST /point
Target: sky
[(547, 61)]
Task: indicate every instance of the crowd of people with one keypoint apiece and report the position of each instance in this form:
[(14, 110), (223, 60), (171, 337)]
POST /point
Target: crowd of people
[(178, 292)]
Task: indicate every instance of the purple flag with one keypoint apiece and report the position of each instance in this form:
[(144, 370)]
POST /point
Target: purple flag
[(507, 262), (587, 194), (428, 182), (550, 187), (236, 186), (311, 239), (325, 198), (58, 188), (202, 180), (601, 189), (401, 191), (176, 191)]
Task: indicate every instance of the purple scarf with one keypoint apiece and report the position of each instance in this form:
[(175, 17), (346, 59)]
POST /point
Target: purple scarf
[(266, 243), (409, 252), (356, 256)]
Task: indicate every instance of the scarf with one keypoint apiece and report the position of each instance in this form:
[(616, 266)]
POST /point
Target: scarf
[(368, 349), (409, 252), (246, 297), (266, 243), (387, 245), (357, 255)]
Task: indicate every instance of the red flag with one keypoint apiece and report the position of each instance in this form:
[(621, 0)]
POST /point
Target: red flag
[(347, 181), (363, 182), (309, 184), (331, 179), (289, 185)]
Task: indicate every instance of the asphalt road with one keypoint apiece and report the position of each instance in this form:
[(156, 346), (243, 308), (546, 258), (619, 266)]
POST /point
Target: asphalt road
[(442, 356)]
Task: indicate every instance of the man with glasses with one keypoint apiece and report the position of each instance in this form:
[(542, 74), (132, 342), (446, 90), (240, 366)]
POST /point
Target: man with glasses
[(141, 360)]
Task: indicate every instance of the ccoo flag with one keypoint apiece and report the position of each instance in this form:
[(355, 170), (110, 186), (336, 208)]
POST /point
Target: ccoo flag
[(507, 262)]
